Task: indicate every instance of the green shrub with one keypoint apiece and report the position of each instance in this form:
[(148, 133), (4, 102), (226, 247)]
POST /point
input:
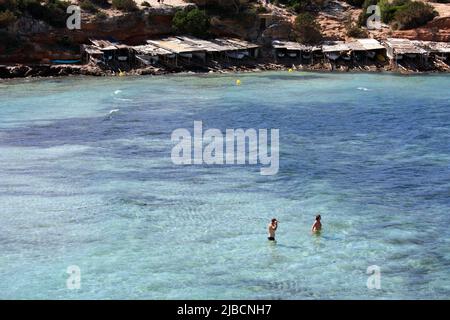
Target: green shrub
[(296, 5), (355, 3), (124, 5), (389, 8), (66, 43), (307, 28), (261, 9), (145, 4), (362, 19), (303, 5), (6, 18), (356, 31), (10, 5), (101, 3), (100, 15), (221, 8), (401, 14), (8, 42), (414, 14), (87, 5), (299, 7), (52, 11), (194, 22), (353, 29)]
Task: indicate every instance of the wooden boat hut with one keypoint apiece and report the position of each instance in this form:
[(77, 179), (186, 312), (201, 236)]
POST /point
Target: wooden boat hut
[(108, 54), (149, 54), (247, 48), (229, 50), (112, 51), (91, 54), (363, 50), (336, 50), (213, 50), (236, 48), (184, 52), (294, 50), (228, 47), (404, 50), (436, 50)]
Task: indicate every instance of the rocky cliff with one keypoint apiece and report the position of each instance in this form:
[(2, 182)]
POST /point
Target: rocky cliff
[(37, 42), (33, 41), (436, 30)]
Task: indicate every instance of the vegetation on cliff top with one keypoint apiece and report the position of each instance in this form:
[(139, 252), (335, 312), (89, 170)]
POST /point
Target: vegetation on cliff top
[(194, 22), (6, 18), (353, 29), (301, 6), (307, 29), (414, 14), (51, 11), (89, 6), (235, 6), (243, 12), (125, 5), (400, 14), (8, 42)]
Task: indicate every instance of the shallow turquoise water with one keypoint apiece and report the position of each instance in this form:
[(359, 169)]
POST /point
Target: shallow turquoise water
[(370, 152)]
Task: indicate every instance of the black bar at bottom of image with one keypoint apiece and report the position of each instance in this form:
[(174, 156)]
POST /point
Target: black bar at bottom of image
[(224, 309)]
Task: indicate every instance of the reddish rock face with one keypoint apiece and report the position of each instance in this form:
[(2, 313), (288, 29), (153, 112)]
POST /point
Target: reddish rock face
[(441, 23), (129, 29), (436, 30), (46, 43)]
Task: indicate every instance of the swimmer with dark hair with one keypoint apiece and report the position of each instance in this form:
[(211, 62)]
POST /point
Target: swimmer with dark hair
[(317, 226), (272, 227)]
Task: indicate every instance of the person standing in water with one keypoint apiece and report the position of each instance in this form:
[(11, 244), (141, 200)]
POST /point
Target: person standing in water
[(317, 226), (272, 227)]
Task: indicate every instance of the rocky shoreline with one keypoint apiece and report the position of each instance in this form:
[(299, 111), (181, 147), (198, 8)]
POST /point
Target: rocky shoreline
[(47, 70)]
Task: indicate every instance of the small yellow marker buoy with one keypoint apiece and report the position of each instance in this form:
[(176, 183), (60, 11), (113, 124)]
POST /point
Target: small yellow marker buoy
[(290, 70), (238, 82)]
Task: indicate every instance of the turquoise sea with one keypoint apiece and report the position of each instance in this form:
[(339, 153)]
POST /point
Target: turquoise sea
[(82, 187)]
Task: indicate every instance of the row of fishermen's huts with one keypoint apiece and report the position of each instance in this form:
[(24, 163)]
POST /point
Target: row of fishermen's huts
[(366, 50), (174, 51), (185, 50)]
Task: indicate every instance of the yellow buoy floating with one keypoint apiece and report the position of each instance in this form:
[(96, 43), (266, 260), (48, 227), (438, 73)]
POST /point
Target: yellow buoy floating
[(290, 70), (238, 82)]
